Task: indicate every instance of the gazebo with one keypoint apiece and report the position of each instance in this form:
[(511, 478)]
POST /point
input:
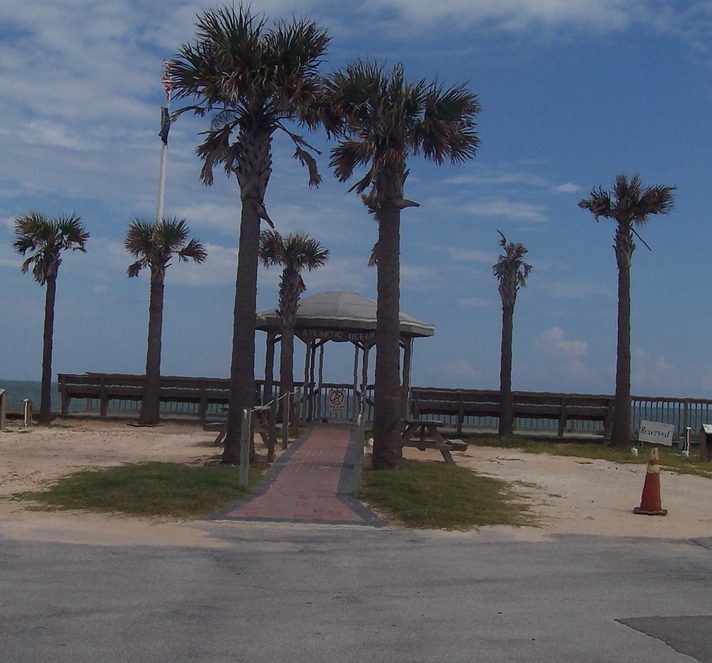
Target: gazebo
[(343, 317)]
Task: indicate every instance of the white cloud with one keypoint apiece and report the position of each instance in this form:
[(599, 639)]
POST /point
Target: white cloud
[(553, 342), (500, 207), (460, 368), (569, 187), (468, 255), (475, 302), (575, 289), (516, 14), (653, 373)]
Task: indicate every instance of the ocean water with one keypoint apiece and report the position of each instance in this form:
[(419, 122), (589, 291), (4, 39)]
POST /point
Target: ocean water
[(18, 391)]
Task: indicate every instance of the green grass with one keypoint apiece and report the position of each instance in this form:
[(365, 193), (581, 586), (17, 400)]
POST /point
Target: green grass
[(438, 496), (671, 458), (148, 489)]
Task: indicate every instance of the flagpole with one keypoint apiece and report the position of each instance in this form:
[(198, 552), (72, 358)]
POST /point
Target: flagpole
[(165, 126)]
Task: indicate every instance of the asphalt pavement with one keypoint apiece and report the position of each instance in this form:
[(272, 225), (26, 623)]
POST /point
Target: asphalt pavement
[(316, 593)]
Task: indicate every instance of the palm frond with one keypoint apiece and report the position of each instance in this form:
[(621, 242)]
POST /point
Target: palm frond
[(47, 239)]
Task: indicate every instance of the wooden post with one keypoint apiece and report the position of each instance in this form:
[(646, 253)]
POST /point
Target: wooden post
[(3, 404), (269, 366), (203, 404), (298, 413), (407, 361), (321, 380), (310, 393), (272, 432), (286, 409), (355, 398), (103, 400), (63, 392), (245, 448)]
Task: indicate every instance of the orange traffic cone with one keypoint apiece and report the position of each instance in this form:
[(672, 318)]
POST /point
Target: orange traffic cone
[(650, 502)]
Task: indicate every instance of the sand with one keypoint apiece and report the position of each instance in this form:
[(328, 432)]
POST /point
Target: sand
[(567, 495)]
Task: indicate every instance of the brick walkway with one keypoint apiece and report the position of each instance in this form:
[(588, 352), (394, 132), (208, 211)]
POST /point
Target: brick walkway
[(311, 482)]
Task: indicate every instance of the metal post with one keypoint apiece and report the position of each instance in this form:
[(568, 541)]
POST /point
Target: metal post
[(285, 420), (27, 412), (245, 448)]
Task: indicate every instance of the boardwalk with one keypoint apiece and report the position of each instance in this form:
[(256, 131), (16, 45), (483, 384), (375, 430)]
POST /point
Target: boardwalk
[(310, 483)]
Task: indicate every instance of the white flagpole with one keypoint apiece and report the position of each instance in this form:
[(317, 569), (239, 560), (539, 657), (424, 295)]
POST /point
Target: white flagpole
[(165, 125)]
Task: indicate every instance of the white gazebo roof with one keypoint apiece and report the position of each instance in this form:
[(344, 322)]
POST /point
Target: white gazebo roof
[(342, 311)]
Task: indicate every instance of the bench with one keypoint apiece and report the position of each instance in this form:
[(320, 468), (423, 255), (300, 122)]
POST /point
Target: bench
[(424, 429)]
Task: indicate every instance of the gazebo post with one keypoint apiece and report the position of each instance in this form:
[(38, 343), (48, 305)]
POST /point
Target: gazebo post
[(407, 362), (321, 377), (307, 359), (364, 382), (312, 380), (355, 399)]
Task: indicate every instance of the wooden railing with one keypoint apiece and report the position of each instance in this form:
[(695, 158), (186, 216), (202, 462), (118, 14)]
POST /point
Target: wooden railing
[(469, 408), (462, 409), (194, 398)]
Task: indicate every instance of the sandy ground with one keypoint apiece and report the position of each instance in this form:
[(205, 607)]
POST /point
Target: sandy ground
[(568, 495)]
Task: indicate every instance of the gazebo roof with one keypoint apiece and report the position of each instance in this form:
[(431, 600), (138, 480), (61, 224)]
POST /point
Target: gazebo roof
[(341, 311)]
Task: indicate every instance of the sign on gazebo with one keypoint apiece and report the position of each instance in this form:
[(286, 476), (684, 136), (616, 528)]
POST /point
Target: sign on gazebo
[(337, 400)]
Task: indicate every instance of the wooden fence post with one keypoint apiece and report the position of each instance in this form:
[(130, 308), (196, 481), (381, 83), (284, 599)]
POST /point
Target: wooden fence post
[(3, 404)]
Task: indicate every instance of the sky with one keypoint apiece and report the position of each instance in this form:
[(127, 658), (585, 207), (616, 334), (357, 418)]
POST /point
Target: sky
[(572, 94)]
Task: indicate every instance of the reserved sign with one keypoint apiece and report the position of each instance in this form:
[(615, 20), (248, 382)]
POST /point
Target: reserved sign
[(653, 432)]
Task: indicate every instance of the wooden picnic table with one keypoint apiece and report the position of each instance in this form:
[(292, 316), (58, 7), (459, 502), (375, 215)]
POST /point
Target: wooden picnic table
[(422, 430)]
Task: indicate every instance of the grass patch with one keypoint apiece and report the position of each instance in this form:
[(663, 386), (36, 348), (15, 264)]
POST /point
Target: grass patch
[(439, 496), (148, 489), (671, 458)]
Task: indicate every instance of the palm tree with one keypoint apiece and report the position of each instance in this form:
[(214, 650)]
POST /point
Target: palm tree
[(382, 120), (46, 239), (154, 244), (294, 253), (630, 204), (252, 79), (512, 273)]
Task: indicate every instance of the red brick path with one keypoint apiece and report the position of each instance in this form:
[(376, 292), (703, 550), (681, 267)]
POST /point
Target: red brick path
[(306, 489)]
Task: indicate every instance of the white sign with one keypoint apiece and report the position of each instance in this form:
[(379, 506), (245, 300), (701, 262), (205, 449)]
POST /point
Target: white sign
[(337, 400), (654, 432)]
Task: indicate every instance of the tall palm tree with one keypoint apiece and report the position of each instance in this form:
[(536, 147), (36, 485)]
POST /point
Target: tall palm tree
[(382, 120), (252, 79), (629, 204), (512, 273), (154, 244), (294, 253), (46, 239)]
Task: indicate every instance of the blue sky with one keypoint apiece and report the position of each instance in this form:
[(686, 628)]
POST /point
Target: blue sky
[(572, 94)]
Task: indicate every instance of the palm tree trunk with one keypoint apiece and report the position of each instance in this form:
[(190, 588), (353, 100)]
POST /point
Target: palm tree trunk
[(255, 168), (620, 431), (151, 402), (45, 418), (387, 422), (506, 416)]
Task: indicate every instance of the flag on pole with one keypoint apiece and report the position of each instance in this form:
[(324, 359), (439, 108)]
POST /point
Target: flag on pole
[(165, 125), (165, 115), (166, 80)]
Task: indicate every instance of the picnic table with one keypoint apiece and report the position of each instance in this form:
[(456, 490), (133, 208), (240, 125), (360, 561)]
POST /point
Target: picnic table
[(260, 424), (427, 436)]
